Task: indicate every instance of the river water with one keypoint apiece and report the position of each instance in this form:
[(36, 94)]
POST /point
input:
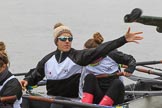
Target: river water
[(26, 26)]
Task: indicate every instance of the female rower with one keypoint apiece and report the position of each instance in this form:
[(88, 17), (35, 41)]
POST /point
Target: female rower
[(103, 90), (9, 85)]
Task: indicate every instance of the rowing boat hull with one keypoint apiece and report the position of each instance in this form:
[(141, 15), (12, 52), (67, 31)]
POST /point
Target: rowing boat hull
[(143, 102), (40, 104), (44, 102), (144, 94)]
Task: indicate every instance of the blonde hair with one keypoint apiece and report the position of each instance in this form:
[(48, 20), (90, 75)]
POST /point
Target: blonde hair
[(57, 25), (3, 55), (95, 41), (2, 46)]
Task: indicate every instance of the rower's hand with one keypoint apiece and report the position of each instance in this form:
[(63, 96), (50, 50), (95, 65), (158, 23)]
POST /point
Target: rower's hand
[(127, 74), (133, 37), (23, 83)]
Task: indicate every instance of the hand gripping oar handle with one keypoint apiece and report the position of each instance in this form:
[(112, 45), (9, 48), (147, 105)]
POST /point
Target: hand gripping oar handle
[(7, 98)]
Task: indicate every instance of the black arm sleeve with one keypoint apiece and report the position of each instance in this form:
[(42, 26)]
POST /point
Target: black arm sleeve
[(35, 75), (84, 57), (122, 58)]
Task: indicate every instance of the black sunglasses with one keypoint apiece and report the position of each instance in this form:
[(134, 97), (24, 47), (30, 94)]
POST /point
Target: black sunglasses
[(64, 38)]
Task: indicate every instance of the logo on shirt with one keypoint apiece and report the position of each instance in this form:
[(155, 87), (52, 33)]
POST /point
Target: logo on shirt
[(65, 70)]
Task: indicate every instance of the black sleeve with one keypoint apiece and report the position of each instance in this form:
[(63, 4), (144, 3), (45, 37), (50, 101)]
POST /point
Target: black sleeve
[(85, 57), (35, 75), (122, 58), (12, 88)]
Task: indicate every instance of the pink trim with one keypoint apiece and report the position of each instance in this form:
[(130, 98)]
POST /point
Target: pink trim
[(107, 101), (87, 98)]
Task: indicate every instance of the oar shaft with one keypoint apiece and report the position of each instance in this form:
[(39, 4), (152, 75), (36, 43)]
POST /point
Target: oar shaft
[(148, 63), (149, 71), (145, 71), (19, 74), (110, 75), (152, 67), (39, 98)]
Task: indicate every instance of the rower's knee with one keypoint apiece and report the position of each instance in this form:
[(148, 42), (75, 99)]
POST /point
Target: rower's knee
[(90, 77), (118, 83)]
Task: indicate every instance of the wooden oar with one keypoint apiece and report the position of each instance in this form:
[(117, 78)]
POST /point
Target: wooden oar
[(149, 71), (19, 74), (64, 102), (145, 71), (110, 75), (152, 67), (148, 63), (7, 98)]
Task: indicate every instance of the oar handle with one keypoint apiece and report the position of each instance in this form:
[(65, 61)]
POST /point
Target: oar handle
[(7, 98), (110, 75), (39, 98), (149, 71)]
